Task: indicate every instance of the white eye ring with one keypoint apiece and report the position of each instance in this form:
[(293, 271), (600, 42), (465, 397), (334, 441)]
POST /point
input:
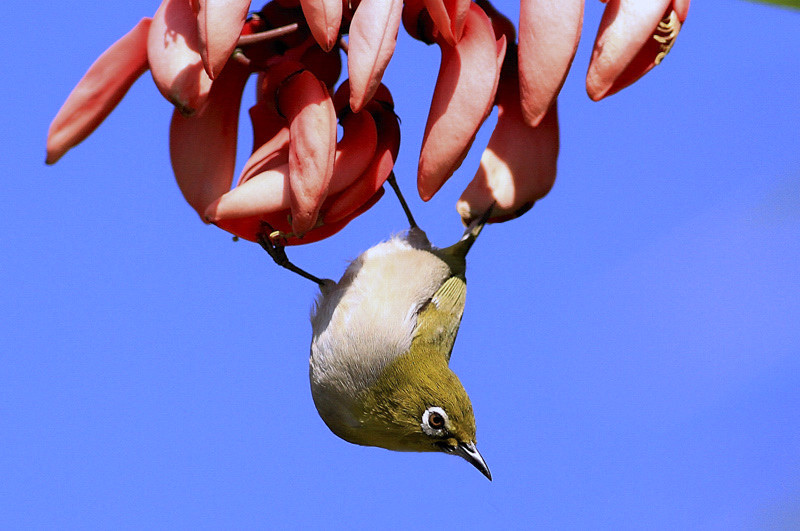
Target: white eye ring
[(436, 411)]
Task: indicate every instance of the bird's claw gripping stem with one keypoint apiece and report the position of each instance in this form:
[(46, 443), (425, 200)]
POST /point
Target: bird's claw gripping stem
[(277, 252)]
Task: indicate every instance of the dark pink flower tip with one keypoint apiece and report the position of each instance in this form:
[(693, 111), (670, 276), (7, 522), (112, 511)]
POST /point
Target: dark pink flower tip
[(324, 18)]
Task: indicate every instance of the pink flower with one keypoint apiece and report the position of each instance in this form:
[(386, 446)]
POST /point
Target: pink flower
[(173, 51), (219, 23), (633, 37), (463, 96), (300, 184), (99, 91)]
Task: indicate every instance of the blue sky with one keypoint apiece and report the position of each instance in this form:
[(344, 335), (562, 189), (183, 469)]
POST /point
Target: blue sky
[(631, 345)]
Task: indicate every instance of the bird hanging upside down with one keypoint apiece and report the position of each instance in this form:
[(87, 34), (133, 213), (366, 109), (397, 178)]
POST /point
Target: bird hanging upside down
[(382, 338)]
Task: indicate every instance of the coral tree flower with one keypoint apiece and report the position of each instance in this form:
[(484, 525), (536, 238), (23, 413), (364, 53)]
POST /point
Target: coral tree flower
[(99, 91), (219, 23), (300, 184), (173, 51), (633, 37), (462, 99), (518, 166)]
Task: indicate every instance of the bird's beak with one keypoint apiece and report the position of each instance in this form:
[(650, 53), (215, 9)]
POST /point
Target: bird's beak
[(471, 454)]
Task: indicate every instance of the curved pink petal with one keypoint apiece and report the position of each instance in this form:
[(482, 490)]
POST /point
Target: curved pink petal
[(271, 80), (99, 91), (263, 187), (203, 147), (264, 184), (462, 99), (625, 48), (264, 115), (307, 104), (323, 18), (265, 192), (518, 166), (354, 151), (327, 230), (271, 153), (373, 35), (219, 24), (449, 16), (549, 31), (343, 204), (251, 227), (174, 57)]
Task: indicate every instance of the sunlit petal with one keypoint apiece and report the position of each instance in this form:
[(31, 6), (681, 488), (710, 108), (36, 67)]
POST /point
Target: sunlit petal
[(627, 44), (373, 35), (324, 18), (99, 91), (462, 99), (307, 104), (174, 56), (219, 23), (549, 31), (518, 166)]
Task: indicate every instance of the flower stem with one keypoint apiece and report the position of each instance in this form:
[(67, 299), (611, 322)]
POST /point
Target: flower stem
[(263, 36)]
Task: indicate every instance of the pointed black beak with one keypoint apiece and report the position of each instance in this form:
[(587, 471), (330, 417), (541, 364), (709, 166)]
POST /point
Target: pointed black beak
[(469, 452)]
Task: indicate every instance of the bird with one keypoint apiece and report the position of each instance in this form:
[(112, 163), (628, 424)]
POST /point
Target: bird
[(382, 337)]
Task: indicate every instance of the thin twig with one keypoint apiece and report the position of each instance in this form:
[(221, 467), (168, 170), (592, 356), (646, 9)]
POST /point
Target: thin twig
[(393, 183), (263, 36)]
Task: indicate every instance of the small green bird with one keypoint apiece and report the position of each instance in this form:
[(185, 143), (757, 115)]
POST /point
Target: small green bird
[(382, 339)]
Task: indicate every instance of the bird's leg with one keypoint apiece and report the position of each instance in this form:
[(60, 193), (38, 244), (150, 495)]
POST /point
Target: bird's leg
[(277, 252), (393, 183)]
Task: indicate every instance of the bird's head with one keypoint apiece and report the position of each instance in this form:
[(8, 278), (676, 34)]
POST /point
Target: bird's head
[(418, 405)]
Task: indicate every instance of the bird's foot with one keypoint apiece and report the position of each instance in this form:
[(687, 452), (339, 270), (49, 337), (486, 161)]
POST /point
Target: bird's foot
[(273, 242)]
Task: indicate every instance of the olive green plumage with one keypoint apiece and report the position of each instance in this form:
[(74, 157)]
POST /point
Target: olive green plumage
[(380, 354)]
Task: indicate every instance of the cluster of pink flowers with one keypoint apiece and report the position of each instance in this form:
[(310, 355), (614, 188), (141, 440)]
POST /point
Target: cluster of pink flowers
[(300, 184)]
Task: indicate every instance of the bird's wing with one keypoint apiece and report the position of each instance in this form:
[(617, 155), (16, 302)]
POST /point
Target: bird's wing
[(439, 320)]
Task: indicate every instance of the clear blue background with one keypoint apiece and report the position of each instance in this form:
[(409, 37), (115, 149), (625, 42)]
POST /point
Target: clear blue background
[(631, 345)]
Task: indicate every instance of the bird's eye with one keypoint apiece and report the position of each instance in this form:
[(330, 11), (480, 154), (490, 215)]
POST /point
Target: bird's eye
[(434, 421)]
